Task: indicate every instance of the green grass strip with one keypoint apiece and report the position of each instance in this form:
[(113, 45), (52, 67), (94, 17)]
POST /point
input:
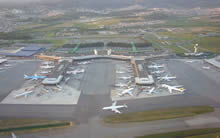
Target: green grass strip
[(193, 133), (158, 114)]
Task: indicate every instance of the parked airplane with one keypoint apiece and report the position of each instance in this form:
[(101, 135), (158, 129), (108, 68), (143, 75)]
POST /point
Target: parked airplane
[(115, 107), (125, 77), (47, 67), (13, 135), (167, 78), (120, 72), (156, 66), (47, 63), (25, 94), (171, 88), (44, 72), (84, 63), (191, 61), (127, 91), (151, 91), (121, 85), (77, 71), (35, 77), (1, 68), (158, 72), (206, 67), (7, 65)]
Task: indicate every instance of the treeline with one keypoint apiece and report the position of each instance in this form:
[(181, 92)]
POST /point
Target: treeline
[(14, 36), (118, 44), (85, 45)]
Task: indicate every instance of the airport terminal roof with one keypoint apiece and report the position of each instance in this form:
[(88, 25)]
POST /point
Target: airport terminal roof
[(20, 54), (32, 48)]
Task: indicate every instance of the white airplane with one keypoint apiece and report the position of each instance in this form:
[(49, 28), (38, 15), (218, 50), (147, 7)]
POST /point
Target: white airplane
[(125, 77), (44, 72), (171, 88), (1, 68), (151, 91), (127, 91), (25, 94), (167, 78), (115, 107), (120, 72), (190, 61), (47, 67), (77, 71), (13, 135), (47, 63), (156, 66), (84, 63), (121, 85), (7, 65), (158, 72), (206, 67)]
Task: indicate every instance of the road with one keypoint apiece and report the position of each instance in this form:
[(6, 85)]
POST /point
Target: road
[(200, 90)]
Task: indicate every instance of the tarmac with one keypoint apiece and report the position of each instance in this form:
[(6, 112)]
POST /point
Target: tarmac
[(201, 86)]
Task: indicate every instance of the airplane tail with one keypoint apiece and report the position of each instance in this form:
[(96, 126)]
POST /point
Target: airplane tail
[(25, 76)]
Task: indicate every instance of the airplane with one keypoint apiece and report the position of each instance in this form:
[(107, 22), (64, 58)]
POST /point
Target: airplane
[(151, 91), (77, 71), (156, 66), (167, 78), (191, 61), (127, 91), (115, 107), (121, 85), (45, 72), (35, 77), (25, 94), (13, 135), (47, 67), (125, 77), (7, 65), (1, 68), (84, 63), (171, 88), (158, 72), (120, 72), (47, 63), (206, 67)]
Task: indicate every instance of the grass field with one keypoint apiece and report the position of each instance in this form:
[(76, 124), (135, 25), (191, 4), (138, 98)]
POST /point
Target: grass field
[(24, 125), (194, 133), (158, 114)]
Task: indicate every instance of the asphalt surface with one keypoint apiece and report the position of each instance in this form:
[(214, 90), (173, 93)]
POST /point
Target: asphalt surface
[(96, 85), (13, 77)]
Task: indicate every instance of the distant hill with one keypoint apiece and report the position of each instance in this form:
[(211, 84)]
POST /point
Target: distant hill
[(103, 4)]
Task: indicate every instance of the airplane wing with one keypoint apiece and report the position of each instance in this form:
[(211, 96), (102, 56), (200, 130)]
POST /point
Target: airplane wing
[(116, 110)]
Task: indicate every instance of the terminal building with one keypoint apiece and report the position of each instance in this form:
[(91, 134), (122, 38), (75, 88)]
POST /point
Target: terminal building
[(142, 77)]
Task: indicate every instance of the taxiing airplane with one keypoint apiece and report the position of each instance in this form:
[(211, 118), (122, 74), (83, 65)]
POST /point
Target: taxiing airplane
[(7, 65), (171, 88), (25, 94), (35, 77), (47, 67), (84, 63), (127, 91), (158, 72), (115, 107), (13, 135), (167, 78), (156, 66)]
